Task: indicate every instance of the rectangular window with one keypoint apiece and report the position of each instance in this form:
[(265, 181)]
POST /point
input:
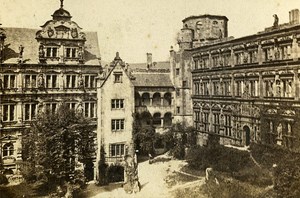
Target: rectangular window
[(117, 124), (118, 77), (216, 123), (68, 52), (90, 109), (30, 81), (117, 150), (51, 107), (216, 88), (71, 81), (72, 105), (89, 81), (30, 111), (51, 81), (206, 121), (227, 125), (117, 103), (52, 52), (178, 109), (238, 88), (73, 52), (8, 113), (9, 81), (177, 71), (184, 83)]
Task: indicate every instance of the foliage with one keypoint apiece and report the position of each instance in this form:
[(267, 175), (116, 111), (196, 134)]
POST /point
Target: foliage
[(3, 179), (143, 136), (178, 138), (54, 143), (102, 180), (115, 173), (287, 178), (254, 175), (220, 158)]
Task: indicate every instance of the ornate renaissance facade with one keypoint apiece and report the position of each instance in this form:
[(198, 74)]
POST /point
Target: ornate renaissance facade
[(246, 89), (42, 69)]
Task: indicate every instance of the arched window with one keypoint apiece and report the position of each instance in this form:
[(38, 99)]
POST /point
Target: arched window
[(168, 119), (156, 99), (145, 99), (137, 98), (167, 99), (157, 119), (8, 149), (146, 119)]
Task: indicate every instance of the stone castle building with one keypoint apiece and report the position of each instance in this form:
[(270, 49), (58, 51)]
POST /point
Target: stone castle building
[(246, 89), (125, 90), (42, 68)]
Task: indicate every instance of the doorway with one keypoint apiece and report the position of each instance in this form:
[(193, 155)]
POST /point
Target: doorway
[(247, 135)]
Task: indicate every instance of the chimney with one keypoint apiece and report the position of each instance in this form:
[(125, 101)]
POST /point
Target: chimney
[(294, 16), (149, 60)]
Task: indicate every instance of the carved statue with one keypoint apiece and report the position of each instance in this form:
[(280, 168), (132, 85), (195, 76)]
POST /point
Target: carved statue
[(80, 53), (80, 82), (276, 20), (279, 131), (40, 81), (21, 51), (41, 51), (131, 181)]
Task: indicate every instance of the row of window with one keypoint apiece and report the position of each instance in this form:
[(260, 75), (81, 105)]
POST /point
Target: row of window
[(30, 110), (251, 87), (51, 81), (243, 57), (221, 123), (280, 133), (70, 52)]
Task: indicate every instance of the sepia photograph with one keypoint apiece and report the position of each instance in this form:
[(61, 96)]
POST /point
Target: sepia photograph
[(150, 99)]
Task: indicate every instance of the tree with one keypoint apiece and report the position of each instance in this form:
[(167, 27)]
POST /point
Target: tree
[(54, 144), (143, 136), (178, 137)]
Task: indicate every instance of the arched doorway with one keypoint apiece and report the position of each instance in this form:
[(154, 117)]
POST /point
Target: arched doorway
[(246, 130)]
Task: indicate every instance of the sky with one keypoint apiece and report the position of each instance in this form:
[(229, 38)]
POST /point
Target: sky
[(136, 27)]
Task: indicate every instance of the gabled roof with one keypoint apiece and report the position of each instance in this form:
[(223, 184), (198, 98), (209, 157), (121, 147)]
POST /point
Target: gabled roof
[(26, 37), (152, 80)]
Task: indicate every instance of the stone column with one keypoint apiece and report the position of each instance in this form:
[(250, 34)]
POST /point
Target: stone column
[(296, 85), (260, 86), (295, 49), (259, 54)]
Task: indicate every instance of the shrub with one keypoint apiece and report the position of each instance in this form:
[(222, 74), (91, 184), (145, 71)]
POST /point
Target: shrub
[(287, 178), (218, 157), (3, 179), (115, 173), (254, 175)]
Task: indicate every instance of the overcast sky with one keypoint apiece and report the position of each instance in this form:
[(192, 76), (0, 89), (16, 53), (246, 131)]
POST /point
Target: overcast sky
[(135, 27)]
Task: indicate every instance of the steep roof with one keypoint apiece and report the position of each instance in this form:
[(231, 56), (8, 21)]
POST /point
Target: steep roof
[(152, 80), (26, 37), (156, 65)]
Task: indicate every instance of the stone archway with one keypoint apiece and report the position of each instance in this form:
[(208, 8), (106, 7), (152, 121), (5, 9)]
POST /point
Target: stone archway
[(246, 130)]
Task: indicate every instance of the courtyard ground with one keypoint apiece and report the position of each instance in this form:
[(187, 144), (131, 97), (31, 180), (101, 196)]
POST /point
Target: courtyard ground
[(156, 181)]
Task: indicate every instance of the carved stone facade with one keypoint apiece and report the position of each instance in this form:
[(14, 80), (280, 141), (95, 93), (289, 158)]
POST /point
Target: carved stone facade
[(247, 89), (43, 69)]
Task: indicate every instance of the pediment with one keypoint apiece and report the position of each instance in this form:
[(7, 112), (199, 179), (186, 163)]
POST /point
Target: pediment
[(9, 138), (62, 28)]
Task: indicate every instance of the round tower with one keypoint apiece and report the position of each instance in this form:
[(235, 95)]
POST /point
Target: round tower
[(206, 28)]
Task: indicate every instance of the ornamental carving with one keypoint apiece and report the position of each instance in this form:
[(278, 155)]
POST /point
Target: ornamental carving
[(272, 111), (289, 113)]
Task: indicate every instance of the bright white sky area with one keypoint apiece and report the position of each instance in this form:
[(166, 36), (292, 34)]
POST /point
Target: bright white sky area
[(135, 27)]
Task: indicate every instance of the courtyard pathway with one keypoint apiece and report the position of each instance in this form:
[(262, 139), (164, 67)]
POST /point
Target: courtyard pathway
[(151, 177)]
